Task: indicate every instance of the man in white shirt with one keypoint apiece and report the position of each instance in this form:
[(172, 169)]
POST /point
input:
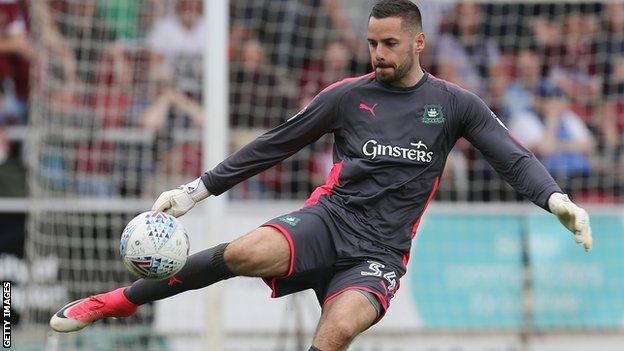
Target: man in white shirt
[(181, 34)]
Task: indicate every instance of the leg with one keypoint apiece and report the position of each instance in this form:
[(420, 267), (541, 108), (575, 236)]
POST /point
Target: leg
[(343, 318), (268, 251), (355, 298), (264, 252)]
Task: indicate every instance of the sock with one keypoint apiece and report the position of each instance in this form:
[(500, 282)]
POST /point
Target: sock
[(312, 348), (201, 269)]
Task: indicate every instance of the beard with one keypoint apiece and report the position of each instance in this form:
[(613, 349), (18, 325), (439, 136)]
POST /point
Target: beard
[(392, 74)]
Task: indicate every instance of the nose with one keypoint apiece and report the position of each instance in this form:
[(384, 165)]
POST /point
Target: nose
[(379, 60), (379, 53)]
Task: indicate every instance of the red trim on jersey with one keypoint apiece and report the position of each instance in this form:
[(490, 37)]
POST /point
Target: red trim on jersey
[(382, 300), (406, 255), (429, 199), (291, 244), (444, 81), (270, 282), (513, 137), (333, 178), (347, 80)]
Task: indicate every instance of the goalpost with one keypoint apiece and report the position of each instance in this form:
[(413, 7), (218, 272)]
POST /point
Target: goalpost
[(215, 137)]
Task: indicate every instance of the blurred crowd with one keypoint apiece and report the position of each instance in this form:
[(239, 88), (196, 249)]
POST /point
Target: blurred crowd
[(116, 86)]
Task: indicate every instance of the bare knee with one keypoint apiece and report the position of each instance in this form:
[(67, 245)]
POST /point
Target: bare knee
[(336, 334), (263, 252), (344, 331), (342, 320)]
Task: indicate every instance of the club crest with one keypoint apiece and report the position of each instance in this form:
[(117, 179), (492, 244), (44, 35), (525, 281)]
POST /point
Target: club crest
[(433, 114)]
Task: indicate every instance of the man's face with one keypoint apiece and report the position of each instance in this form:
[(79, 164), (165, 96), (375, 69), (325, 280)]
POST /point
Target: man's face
[(529, 65), (469, 17), (253, 55), (392, 49), (336, 57), (615, 15), (189, 11)]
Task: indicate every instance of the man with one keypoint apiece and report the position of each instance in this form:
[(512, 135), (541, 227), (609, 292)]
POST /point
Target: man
[(557, 135), (350, 243), (181, 34)]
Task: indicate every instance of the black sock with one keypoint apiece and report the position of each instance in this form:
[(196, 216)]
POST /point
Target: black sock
[(312, 348), (201, 269)]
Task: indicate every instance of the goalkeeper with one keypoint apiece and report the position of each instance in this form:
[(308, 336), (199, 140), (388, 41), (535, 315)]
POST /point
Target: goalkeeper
[(350, 243)]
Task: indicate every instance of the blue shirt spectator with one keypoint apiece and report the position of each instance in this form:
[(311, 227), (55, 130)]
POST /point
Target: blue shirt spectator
[(558, 136)]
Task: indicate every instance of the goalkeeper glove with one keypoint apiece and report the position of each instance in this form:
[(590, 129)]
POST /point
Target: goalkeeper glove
[(572, 217), (177, 202)]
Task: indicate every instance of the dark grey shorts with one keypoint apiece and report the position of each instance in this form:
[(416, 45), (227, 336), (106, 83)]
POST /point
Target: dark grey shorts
[(321, 261)]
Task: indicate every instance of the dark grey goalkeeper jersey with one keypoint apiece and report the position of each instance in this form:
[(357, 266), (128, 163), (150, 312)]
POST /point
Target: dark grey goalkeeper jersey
[(390, 148)]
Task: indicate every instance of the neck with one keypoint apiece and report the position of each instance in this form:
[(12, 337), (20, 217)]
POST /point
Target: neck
[(412, 78)]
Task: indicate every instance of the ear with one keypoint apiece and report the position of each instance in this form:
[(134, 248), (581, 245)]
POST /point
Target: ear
[(419, 42)]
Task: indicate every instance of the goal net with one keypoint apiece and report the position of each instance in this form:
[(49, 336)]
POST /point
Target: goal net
[(116, 117)]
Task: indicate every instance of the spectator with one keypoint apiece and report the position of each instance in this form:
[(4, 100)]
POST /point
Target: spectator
[(85, 28), (155, 116), (274, 23), (437, 13), (612, 52), (556, 135), (333, 67), (12, 170), (545, 33), (611, 114), (520, 94), (350, 18), (80, 165), (122, 17), (56, 55), (183, 34), (177, 42), (180, 161), (15, 52), (571, 61), (467, 57), (261, 96), (12, 111)]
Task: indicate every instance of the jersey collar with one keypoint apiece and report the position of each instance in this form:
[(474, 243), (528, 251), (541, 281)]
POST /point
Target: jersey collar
[(405, 89)]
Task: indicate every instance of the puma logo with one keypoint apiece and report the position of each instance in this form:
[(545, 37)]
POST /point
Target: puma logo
[(173, 280), (365, 107)]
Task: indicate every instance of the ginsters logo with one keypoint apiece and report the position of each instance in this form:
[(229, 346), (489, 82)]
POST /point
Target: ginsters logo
[(418, 152)]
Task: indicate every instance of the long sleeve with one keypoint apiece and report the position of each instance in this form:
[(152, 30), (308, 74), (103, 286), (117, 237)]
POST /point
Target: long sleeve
[(515, 164), (307, 126)]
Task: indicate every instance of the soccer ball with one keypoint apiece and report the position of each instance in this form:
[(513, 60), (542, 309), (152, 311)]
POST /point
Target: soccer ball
[(154, 245)]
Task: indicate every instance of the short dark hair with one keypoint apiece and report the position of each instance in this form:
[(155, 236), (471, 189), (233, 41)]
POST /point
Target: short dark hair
[(404, 9)]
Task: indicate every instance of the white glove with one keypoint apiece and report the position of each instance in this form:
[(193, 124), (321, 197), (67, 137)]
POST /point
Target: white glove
[(572, 217), (177, 202)]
